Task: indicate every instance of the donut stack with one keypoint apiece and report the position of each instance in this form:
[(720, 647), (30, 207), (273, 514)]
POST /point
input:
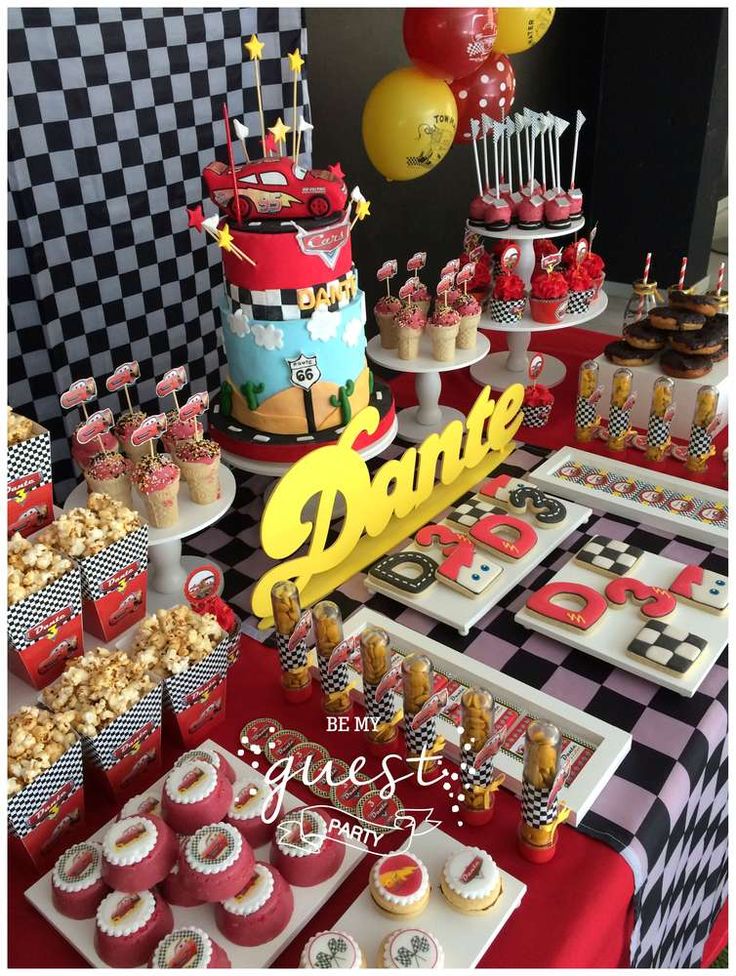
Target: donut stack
[(689, 335)]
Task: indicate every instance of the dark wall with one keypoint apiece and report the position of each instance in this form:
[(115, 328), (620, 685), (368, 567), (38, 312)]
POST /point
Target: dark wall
[(651, 83)]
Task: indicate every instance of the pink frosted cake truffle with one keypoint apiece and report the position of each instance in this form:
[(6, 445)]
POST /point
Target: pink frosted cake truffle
[(259, 911), (144, 804), (216, 862), (251, 802), (189, 948), (130, 926), (138, 852), (172, 888), (531, 212), (77, 886), (304, 850), (195, 794), (557, 212), (205, 754), (498, 215)]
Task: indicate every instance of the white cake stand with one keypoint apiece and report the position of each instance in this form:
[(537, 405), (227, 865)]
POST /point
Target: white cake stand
[(428, 417), (500, 369), (168, 569)]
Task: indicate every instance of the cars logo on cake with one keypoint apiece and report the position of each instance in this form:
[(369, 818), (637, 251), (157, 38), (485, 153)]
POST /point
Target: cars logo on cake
[(324, 243)]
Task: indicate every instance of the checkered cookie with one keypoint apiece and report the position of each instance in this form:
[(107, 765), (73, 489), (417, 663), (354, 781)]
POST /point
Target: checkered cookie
[(536, 809), (586, 413), (423, 737), (700, 442), (382, 710), (506, 312), (292, 659), (610, 555), (536, 416), (332, 681), (579, 301), (667, 646), (619, 421), (468, 513), (658, 431)]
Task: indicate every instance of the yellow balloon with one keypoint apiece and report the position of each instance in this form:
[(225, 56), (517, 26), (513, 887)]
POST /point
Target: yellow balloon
[(409, 122), (519, 28)]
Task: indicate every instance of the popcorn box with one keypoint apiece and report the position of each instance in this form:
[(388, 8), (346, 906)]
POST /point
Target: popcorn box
[(130, 744), (114, 585), (45, 630), (194, 701), (233, 643), (29, 487), (40, 816)]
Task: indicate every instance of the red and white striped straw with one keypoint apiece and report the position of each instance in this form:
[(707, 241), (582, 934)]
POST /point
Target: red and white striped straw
[(647, 265), (721, 271), (683, 269)]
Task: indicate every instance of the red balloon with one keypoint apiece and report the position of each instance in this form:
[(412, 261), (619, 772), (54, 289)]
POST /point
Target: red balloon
[(449, 42), (491, 91)]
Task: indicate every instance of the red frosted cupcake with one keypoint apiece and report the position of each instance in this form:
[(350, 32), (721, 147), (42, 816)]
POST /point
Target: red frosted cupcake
[(188, 948), (216, 862), (596, 268), (530, 214), (304, 850), (77, 885), (260, 911), (195, 794), (508, 299), (172, 888), (251, 803), (548, 301), (128, 927), (537, 405), (137, 853), (581, 291), (204, 753), (557, 212)]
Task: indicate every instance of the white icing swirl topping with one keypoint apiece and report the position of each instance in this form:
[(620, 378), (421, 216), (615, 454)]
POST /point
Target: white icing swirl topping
[(191, 782), (254, 895), (247, 804), (301, 833), (129, 841), (331, 950), (412, 949), (213, 848), (121, 914), (184, 948), (79, 867), (471, 873)]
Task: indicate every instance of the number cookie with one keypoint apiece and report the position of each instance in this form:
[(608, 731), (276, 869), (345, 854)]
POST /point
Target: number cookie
[(548, 511), (486, 533), (418, 574), (464, 569), (655, 602), (590, 612)]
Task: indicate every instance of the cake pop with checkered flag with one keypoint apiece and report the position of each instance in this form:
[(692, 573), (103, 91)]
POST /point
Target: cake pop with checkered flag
[(543, 777)]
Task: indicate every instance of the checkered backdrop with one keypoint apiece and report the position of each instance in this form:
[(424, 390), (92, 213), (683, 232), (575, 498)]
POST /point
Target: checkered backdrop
[(113, 114)]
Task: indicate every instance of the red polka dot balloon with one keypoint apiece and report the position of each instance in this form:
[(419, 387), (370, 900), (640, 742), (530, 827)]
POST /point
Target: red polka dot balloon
[(490, 91)]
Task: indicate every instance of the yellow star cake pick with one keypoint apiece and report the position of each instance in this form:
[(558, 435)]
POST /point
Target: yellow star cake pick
[(279, 130), (296, 61), (254, 47)]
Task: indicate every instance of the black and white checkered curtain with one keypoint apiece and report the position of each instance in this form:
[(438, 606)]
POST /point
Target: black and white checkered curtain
[(113, 113)]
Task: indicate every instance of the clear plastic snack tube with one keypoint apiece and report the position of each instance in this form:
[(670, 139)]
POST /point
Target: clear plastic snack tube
[(478, 747), (587, 416), (619, 411), (291, 641), (700, 447), (333, 671), (421, 708), (661, 412), (378, 699), (542, 779)]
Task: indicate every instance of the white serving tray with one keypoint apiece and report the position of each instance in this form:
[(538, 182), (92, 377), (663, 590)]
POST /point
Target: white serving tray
[(710, 533), (307, 901), (616, 628), (464, 939), (610, 744), (451, 607)]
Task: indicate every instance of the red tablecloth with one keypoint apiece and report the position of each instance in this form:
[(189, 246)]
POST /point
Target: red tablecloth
[(573, 346), (576, 913)]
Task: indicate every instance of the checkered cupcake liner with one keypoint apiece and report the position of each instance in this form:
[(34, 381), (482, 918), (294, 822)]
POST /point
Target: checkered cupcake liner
[(536, 416), (506, 312), (579, 301)]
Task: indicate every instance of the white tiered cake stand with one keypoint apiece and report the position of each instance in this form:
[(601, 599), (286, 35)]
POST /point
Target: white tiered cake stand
[(500, 369), (168, 569), (428, 417)]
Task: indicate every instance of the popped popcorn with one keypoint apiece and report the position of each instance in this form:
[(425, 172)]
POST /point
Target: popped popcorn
[(87, 531), (31, 566), (97, 688), (172, 640), (36, 739), (19, 428)]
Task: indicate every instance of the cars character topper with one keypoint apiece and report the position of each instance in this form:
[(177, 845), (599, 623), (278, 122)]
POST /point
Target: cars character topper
[(465, 274), (581, 251), (409, 287), (95, 425), (550, 261), (417, 261), (386, 272), (147, 432), (78, 394), (536, 365), (124, 375), (445, 284), (171, 382), (452, 267), (195, 406), (509, 258)]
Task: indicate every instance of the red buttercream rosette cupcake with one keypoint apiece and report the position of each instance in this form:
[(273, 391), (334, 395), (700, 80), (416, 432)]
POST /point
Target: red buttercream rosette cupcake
[(596, 268), (537, 405), (508, 299), (548, 301), (581, 291)]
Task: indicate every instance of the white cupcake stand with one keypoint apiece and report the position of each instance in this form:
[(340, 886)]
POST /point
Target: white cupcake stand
[(428, 417), (500, 369)]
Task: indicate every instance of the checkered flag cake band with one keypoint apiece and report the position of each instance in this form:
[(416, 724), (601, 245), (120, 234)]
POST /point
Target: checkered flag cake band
[(382, 710), (291, 660), (700, 442), (282, 304), (579, 302), (536, 416), (658, 431), (585, 412), (332, 681), (422, 738), (536, 809), (471, 776), (619, 421), (506, 312)]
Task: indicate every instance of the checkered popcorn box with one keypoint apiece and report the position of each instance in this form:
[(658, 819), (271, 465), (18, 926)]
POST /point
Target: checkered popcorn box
[(578, 302), (45, 630), (29, 481), (506, 312), (232, 642), (194, 701), (536, 416)]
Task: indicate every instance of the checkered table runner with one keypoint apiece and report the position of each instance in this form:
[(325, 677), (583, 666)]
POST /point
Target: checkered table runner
[(113, 113), (665, 809)]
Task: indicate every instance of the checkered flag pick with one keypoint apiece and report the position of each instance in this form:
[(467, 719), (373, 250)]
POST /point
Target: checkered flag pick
[(619, 421), (536, 807)]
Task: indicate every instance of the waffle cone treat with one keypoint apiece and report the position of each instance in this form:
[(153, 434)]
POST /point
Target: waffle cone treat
[(110, 475), (157, 479), (123, 429), (385, 311), (199, 462)]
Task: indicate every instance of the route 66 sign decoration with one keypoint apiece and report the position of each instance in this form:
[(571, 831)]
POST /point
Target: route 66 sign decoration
[(304, 371)]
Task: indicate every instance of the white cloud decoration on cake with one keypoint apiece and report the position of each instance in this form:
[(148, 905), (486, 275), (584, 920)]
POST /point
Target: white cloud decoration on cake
[(353, 332), (239, 323), (323, 324), (268, 336)]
